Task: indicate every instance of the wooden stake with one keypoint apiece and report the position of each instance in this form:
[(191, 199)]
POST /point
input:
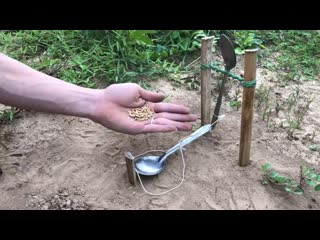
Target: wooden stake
[(206, 58), (130, 168), (250, 65)]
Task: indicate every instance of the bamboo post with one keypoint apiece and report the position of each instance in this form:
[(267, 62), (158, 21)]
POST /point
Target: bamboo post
[(206, 58), (130, 168), (250, 65)]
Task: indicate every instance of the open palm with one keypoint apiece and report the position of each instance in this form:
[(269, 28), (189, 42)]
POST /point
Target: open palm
[(115, 101)]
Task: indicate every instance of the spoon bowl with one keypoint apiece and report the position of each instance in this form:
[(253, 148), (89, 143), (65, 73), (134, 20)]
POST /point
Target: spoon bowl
[(149, 165), (152, 165)]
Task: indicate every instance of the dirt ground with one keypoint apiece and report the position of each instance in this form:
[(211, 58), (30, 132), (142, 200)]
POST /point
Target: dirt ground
[(57, 162)]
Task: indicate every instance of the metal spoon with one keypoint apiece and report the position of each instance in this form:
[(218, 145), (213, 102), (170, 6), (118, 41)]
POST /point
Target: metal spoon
[(152, 165)]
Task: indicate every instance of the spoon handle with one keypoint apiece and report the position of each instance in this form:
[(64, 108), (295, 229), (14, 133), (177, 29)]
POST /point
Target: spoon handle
[(198, 133)]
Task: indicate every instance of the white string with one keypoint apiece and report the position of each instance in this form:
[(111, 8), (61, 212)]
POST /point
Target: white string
[(183, 169)]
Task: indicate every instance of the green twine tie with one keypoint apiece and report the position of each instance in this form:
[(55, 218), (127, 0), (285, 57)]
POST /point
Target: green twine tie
[(243, 83)]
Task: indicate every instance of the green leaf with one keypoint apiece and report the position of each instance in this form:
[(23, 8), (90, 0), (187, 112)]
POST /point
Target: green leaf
[(317, 188), (298, 191), (312, 175), (132, 74), (146, 31), (164, 54), (287, 189), (248, 40), (266, 166), (175, 34), (10, 116), (263, 46), (311, 183), (140, 36), (239, 51), (281, 179), (185, 44), (118, 67), (273, 175), (235, 104), (314, 147), (306, 171), (199, 34)]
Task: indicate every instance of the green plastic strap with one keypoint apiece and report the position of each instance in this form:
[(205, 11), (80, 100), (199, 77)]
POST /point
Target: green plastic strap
[(246, 84)]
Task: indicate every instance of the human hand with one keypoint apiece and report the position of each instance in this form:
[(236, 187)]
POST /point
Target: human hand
[(114, 102)]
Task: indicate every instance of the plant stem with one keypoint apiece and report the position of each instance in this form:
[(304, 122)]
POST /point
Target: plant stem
[(301, 177)]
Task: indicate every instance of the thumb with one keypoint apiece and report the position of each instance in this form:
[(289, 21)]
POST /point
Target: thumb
[(151, 96)]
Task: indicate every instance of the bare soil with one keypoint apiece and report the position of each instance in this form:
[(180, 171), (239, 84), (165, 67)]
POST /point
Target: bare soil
[(58, 162)]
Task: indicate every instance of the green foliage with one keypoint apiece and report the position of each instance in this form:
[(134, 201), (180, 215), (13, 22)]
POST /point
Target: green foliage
[(311, 177), (307, 175), (314, 147), (7, 115), (298, 52), (276, 178), (246, 40), (113, 56), (85, 57)]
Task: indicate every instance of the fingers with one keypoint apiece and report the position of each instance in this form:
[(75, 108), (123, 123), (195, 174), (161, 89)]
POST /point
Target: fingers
[(176, 117), (154, 128), (170, 107), (137, 104), (181, 126), (151, 96)]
